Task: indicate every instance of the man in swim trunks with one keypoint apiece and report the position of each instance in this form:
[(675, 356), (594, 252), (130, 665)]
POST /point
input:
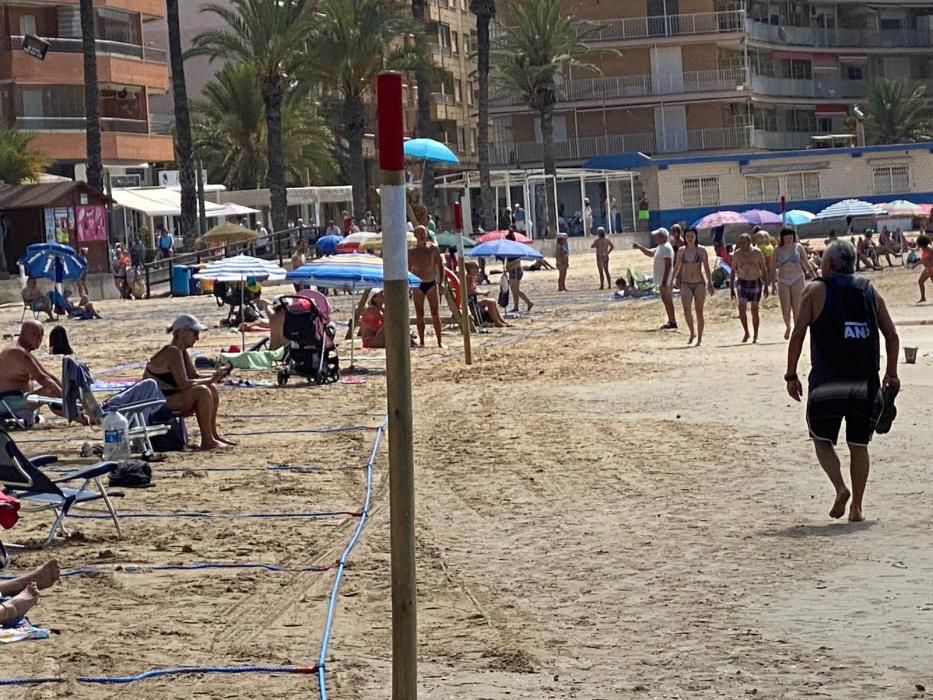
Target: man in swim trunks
[(424, 261), (748, 280), (19, 370), (844, 315), (603, 247)]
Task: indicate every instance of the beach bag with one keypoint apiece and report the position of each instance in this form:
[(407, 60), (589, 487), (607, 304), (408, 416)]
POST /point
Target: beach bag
[(132, 474), (176, 439), (504, 290)]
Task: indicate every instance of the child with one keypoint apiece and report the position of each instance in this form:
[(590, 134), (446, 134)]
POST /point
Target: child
[(622, 289)]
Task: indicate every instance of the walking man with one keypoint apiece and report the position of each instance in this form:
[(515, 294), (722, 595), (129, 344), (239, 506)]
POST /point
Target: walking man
[(519, 218), (562, 254), (603, 247), (844, 314), (748, 279), (425, 262), (663, 255)]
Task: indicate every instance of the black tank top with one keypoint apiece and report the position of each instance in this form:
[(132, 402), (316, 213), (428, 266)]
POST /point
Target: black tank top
[(844, 345)]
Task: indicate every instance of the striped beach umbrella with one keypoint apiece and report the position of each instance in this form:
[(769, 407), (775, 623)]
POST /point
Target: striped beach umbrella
[(356, 241), (239, 268), (904, 208), (850, 207), (353, 270)]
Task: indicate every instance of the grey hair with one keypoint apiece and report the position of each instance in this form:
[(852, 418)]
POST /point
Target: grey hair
[(746, 237), (841, 256)]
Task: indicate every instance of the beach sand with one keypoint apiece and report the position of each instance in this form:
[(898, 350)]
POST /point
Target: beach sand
[(602, 512)]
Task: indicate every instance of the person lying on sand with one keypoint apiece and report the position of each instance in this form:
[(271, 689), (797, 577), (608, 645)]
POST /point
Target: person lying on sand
[(185, 390), (21, 594)]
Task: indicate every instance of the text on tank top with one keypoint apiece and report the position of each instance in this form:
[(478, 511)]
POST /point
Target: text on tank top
[(844, 343)]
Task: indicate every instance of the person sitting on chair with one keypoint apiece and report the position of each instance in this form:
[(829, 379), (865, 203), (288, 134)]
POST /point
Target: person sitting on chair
[(186, 391), (35, 299), (487, 308), (20, 371)]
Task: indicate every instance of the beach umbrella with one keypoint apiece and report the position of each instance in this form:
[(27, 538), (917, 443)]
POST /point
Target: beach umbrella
[(720, 218), (761, 217), (451, 240), (850, 207), (52, 261), (355, 241), (353, 270), (327, 245), (429, 149), (504, 248), (798, 217), (227, 233), (499, 235), (241, 268), (904, 208), (376, 243)]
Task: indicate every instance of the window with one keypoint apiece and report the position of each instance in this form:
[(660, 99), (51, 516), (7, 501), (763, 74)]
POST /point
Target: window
[(470, 90), (802, 186), (443, 31), (454, 42), (458, 91), (891, 179), (700, 191), (854, 72), (461, 138), (113, 25), (762, 189), (27, 24)]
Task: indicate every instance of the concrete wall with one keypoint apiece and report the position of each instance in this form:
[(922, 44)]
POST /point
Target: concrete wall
[(581, 244), (99, 285)]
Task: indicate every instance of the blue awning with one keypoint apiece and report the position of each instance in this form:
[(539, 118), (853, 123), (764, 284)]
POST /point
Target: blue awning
[(619, 161)]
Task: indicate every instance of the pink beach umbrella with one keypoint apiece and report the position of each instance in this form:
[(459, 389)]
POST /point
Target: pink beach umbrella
[(762, 217), (720, 218), (499, 235), (903, 208)]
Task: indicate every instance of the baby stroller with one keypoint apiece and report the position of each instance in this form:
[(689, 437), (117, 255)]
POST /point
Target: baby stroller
[(242, 303), (309, 334)]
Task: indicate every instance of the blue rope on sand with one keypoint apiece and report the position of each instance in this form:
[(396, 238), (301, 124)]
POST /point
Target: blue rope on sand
[(207, 514), (342, 562), (195, 566)]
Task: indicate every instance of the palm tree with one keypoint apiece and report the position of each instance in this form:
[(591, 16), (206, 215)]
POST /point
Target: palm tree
[(425, 127), (95, 164), (352, 42), (230, 132), (19, 162), (485, 11), (269, 35), (897, 111), (186, 179), (538, 45)]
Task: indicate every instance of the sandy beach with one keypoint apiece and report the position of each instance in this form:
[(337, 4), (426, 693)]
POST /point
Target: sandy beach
[(602, 512)]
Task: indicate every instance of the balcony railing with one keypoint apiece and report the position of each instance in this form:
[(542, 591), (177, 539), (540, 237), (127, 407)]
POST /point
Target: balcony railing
[(588, 146), (115, 48), (715, 80), (837, 37), (439, 50), (440, 98), (132, 126), (781, 140), (665, 26), (817, 88)]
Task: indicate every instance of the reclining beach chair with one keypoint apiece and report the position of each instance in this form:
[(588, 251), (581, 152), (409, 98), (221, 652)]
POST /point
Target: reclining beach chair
[(23, 479), (638, 281)]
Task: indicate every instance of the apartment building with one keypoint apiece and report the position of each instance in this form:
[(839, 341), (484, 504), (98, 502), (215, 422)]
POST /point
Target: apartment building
[(46, 97), (682, 76)]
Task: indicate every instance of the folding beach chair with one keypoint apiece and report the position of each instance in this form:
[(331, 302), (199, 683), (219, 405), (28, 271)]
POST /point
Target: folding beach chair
[(23, 479), (638, 281)]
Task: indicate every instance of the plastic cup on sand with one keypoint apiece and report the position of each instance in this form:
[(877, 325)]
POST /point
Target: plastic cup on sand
[(910, 355)]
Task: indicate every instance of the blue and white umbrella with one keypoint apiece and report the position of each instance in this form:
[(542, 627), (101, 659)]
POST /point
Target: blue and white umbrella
[(850, 207), (53, 261), (504, 248), (353, 270), (429, 149), (240, 268)]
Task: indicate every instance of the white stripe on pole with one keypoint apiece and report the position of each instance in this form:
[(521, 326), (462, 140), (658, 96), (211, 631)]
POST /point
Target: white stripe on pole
[(394, 233)]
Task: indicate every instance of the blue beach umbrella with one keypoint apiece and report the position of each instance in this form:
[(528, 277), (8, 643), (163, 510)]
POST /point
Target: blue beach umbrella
[(429, 149), (504, 248), (798, 217), (327, 245), (354, 270), (52, 261)]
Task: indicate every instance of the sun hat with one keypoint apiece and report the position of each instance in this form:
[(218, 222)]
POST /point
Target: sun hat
[(186, 322)]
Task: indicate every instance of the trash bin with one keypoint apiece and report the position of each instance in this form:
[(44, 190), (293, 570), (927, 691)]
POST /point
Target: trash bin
[(207, 286), (181, 280), (194, 285)]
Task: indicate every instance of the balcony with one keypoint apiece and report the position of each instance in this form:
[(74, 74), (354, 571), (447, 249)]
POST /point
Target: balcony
[(116, 147), (104, 47), (817, 88), (784, 35), (588, 146), (666, 26), (439, 98), (438, 50), (115, 124), (781, 140)]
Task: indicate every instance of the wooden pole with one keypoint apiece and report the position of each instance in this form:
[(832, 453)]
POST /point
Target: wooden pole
[(398, 388), (461, 269)]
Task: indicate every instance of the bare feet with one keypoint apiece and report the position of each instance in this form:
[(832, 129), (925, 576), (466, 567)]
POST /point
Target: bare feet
[(746, 337), (691, 339), (208, 445), (755, 339), (855, 514), (46, 575), (225, 441), (20, 604), (530, 304), (839, 506), (787, 333)]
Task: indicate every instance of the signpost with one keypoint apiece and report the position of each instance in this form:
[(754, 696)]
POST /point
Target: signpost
[(464, 301), (398, 386)]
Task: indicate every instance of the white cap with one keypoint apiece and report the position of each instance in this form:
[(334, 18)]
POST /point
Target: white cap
[(411, 227), (663, 231), (561, 234), (186, 322)]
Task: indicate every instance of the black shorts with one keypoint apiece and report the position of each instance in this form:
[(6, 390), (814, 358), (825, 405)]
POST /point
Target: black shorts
[(858, 402)]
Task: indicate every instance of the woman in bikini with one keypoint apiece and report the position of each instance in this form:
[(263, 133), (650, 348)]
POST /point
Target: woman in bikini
[(185, 390), (926, 260), (691, 271), (790, 266), (486, 307)]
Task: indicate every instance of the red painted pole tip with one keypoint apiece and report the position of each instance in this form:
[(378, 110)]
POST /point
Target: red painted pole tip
[(458, 217), (390, 121)]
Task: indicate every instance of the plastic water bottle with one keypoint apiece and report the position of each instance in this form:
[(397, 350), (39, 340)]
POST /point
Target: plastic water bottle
[(116, 437)]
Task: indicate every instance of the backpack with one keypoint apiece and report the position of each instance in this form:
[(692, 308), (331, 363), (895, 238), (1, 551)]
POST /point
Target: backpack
[(133, 473), (176, 439)]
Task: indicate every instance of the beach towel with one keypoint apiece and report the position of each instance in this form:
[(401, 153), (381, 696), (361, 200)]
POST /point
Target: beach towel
[(259, 359), (9, 511), (113, 383), (22, 630)]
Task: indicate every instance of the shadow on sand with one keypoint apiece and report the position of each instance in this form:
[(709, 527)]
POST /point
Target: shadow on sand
[(840, 528)]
